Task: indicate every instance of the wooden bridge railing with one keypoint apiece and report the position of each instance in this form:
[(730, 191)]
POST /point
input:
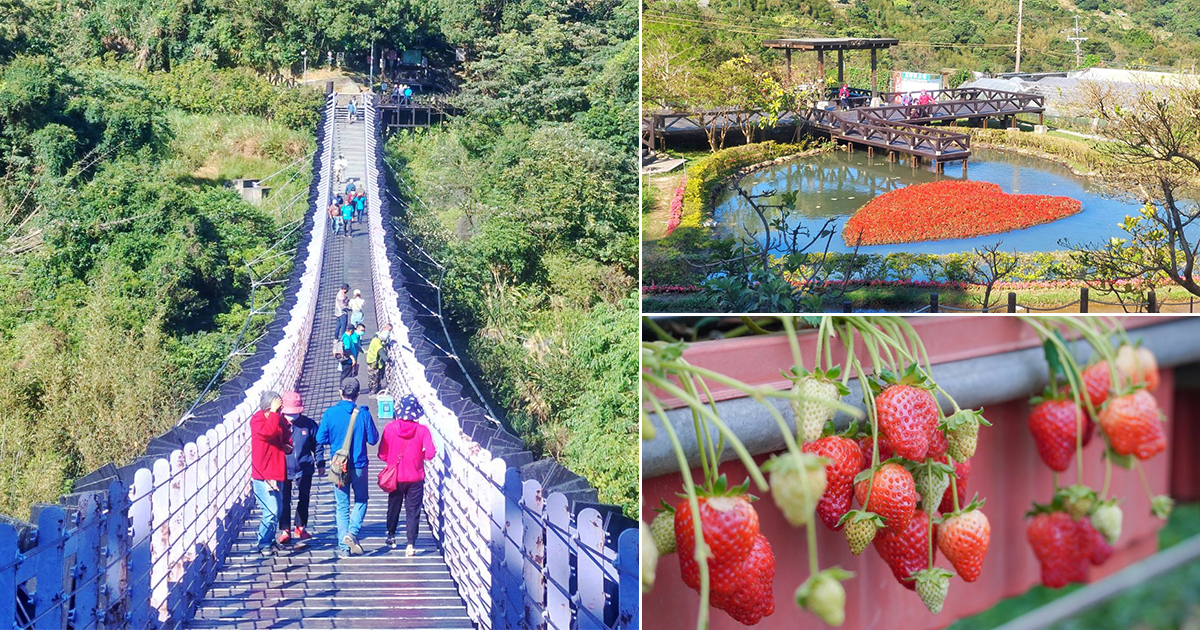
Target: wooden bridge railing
[(138, 547), (520, 557)]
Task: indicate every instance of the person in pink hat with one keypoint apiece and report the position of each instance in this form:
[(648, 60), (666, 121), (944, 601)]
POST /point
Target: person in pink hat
[(305, 458), (405, 447)]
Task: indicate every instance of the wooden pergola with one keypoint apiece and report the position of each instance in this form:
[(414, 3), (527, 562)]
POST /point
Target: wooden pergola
[(840, 44)]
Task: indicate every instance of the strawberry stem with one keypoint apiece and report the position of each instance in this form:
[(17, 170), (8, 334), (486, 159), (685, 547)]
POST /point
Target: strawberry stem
[(1137, 465), (1107, 477), (953, 481), (689, 487)]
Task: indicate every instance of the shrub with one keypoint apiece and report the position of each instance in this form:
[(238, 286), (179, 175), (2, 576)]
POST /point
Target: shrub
[(708, 174)]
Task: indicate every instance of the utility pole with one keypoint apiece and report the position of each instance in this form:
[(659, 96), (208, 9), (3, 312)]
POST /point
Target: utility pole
[(1020, 21), (1078, 40)]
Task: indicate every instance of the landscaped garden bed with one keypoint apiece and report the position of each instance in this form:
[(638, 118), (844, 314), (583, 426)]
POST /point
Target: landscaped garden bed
[(950, 209)]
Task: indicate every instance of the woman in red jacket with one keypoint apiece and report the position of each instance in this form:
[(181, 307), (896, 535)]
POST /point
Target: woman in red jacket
[(269, 445), (406, 445)]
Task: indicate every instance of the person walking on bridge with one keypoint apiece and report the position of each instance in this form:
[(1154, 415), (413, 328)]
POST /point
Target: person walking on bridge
[(335, 217), (269, 446), (339, 169), (341, 310), (352, 111), (377, 359), (347, 217), (356, 308), (347, 429), (844, 96), (360, 206), (306, 456), (405, 448), (350, 348)]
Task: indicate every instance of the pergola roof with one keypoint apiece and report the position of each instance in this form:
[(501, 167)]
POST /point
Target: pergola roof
[(833, 43)]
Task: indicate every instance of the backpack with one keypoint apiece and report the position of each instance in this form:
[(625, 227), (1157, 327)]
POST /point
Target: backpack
[(339, 464)]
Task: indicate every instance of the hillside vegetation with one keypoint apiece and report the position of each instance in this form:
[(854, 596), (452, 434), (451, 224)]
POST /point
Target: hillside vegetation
[(529, 199), (965, 35)]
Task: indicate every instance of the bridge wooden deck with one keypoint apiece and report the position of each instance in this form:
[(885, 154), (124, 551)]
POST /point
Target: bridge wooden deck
[(307, 586), (891, 127)]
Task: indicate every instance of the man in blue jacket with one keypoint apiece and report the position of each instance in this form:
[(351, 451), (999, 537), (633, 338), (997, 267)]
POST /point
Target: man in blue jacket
[(331, 432)]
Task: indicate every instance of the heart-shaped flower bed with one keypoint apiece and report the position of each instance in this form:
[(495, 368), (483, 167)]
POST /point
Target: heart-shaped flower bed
[(950, 209)]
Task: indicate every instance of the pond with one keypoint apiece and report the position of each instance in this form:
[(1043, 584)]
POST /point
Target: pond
[(837, 183)]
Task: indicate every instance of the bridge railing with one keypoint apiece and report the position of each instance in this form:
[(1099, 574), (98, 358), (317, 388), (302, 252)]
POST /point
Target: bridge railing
[(520, 558), (136, 547)]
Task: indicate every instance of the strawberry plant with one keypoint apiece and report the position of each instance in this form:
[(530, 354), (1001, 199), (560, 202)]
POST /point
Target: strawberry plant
[(1079, 525)]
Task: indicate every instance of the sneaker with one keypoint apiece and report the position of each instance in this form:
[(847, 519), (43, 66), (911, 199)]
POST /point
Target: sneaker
[(352, 543), (266, 551), (284, 537), (410, 552), (301, 534), (390, 542)]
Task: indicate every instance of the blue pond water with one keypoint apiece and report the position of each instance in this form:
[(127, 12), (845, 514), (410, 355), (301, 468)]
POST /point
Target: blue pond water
[(836, 184)]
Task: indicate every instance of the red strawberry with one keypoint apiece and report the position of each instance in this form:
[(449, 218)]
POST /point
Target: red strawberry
[(937, 444), (962, 470), (1096, 381), (1093, 545), (1139, 365), (1053, 425), (907, 414), (906, 550), (1132, 425), (730, 528), (867, 446), (1053, 536), (754, 598), (839, 476), (963, 538), (893, 495)]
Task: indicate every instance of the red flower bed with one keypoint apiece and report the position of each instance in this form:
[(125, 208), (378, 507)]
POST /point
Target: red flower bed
[(951, 209), (676, 206)]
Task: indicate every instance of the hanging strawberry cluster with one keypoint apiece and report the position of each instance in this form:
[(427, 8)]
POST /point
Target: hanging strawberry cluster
[(907, 464), (1078, 526)]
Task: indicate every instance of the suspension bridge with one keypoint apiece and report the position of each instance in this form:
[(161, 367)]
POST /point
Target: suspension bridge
[(507, 540)]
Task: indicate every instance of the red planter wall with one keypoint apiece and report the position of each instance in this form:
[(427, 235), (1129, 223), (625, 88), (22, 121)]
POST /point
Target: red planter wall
[(1006, 470)]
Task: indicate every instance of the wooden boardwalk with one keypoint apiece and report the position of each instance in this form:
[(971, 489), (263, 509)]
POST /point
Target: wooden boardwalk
[(889, 127), (307, 586)]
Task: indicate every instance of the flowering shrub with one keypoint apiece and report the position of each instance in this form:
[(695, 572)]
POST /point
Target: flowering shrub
[(706, 176), (677, 206), (951, 209), (664, 289)]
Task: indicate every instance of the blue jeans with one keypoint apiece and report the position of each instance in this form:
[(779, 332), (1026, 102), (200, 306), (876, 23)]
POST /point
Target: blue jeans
[(350, 522), (335, 224), (340, 326), (268, 504)]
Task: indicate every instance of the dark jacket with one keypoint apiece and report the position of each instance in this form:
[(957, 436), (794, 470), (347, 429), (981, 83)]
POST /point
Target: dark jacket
[(305, 450)]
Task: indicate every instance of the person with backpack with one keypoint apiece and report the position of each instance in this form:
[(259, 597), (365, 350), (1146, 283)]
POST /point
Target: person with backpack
[(377, 359), (356, 308), (305, 456), (269, 446), (352, 111), (341, 310), (404, 449), (347, 429)]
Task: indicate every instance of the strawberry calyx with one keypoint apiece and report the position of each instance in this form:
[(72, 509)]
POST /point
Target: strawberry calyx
[(1078, 500), (1053, 393), (975, 504), (805, 590), (963, 418), (870, 471), (667, 508), (911, 376), (721, 488), (1161, 506), (855, 516), (797, 373), (1055, 505)]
